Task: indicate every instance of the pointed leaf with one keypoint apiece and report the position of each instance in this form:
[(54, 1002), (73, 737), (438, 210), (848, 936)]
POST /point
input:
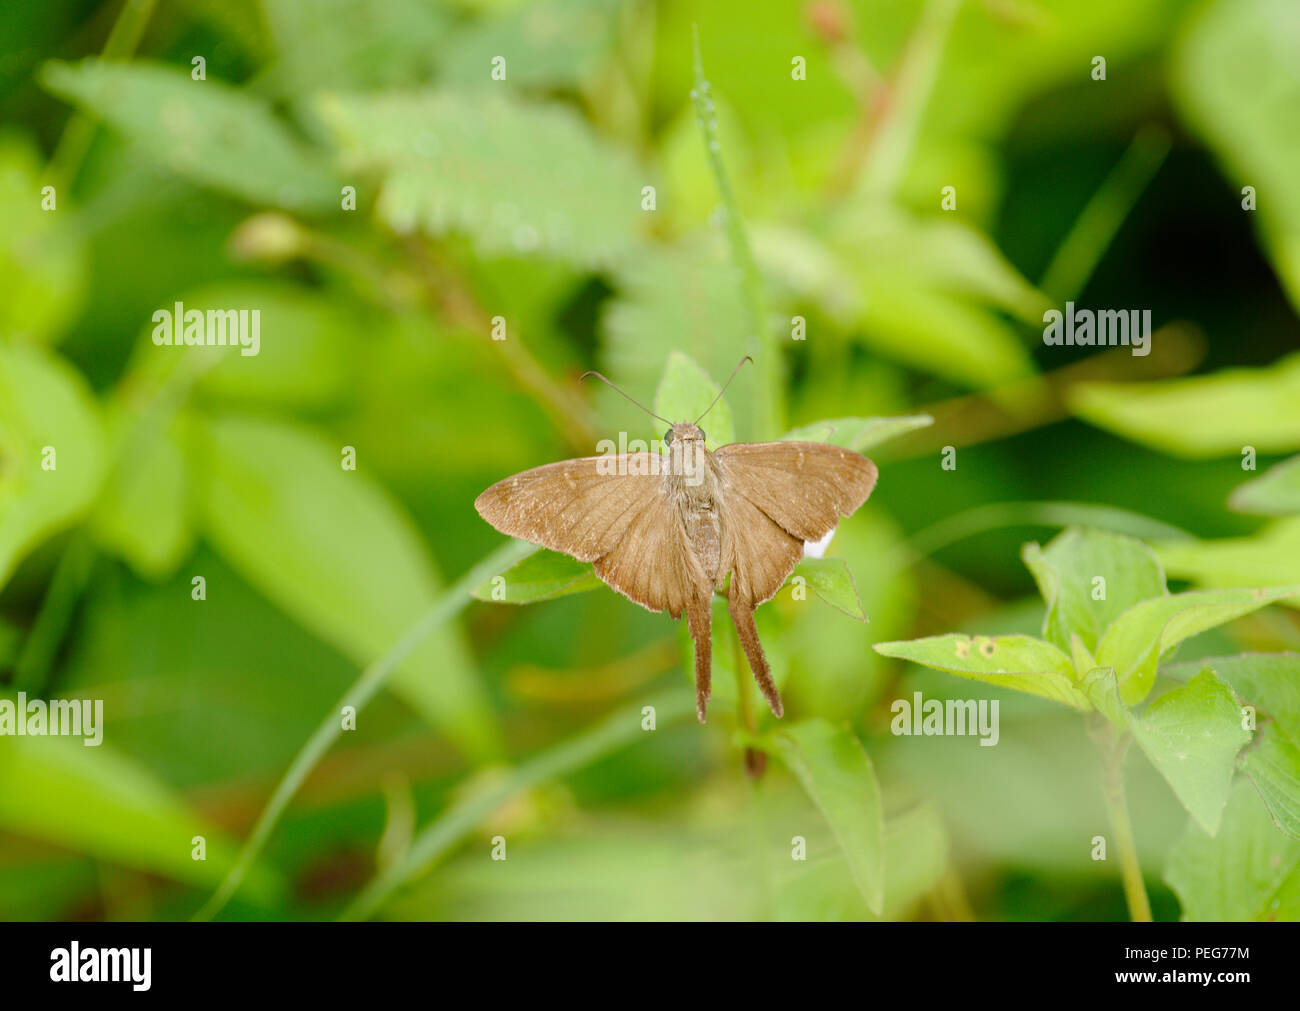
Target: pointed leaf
[(100, 802), (1276, 492), (1020, 662), (337, 554), (1192, 736), (1088, 578), (1265, 558), (1137, 639), (543, 575), (832, 581), (1270, 682), (52, 455), (206, 130), (685, 392), (1248, 871), (1202, 416), (453, 164), (836, 773), (858, 434), (1273, 766)]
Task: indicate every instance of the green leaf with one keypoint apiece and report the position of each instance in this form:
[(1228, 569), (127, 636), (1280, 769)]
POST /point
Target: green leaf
[(1067, 571), (798, 268), (543, 575), (208, 131), (307, 352), (1192, 735), (1082, 657), (1276, 492), (450, 164), (331, 549), (42, 257), (822, 890), (943, 335), (355, 43), (1202, 416), (51, 450), (832, 581), (1234, 79), (98, 801), (144, 514), (1273, 766), (1136, 640), (888, 246), (836, 772), (555, 44), (685, 392), (1020, 662), (1102, 690), (858, 434), (1248, 871), (1266, 558), (1270, 682)]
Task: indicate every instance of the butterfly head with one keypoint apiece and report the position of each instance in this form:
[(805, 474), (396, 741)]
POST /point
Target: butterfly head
[(685, 432)]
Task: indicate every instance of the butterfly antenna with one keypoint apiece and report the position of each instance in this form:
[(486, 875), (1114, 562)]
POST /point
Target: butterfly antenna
[(724, 386), (613, 387)]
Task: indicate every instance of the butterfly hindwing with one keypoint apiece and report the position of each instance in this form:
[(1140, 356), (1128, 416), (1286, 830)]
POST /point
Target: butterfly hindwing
[(652, 564), (758, 552)]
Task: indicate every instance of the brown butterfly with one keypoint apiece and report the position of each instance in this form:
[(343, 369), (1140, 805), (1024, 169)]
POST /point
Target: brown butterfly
[(667, 530)]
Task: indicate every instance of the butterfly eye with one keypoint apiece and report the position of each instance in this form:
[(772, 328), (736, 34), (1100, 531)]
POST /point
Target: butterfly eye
[(668, 437)]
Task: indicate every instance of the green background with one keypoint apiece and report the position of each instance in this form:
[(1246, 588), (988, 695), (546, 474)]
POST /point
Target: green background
[(523, 198)]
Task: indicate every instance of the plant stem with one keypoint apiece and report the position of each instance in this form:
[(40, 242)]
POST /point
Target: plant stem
[(32, 670), (1092, 232), (771, 405), (463, 816), (80, 130), (1135, 891), (894, 137), (452, 600)]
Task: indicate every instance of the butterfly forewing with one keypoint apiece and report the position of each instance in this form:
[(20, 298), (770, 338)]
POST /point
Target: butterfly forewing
[(580, 507), (805, 487)]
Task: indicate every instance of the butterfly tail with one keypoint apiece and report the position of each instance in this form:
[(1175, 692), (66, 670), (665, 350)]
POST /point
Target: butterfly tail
[(699, 619), (742, 616)]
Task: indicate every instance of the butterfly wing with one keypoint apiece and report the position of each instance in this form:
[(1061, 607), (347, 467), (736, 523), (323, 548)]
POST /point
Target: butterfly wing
[(774, 496), (760, 556), (615, 513), (758, 552), (804, 487), (579, 507)]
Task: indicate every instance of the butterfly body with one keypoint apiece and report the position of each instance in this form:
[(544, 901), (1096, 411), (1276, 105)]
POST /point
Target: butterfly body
[(668, 530)]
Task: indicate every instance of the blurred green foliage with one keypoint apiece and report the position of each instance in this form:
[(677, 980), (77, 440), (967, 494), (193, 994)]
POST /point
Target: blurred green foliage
[(355, 170)]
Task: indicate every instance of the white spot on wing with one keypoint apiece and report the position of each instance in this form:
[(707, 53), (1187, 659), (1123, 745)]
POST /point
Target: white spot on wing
[(817, 549)]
